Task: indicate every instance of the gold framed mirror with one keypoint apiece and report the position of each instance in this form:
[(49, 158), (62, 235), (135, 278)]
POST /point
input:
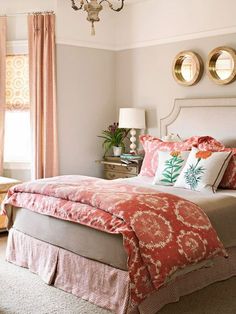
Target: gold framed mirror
[(221, 65), (187, 68)]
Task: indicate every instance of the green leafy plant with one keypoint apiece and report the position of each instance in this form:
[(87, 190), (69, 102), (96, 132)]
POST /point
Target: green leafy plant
[(173, 166), (194, 173), (193, 176), (113, 136)]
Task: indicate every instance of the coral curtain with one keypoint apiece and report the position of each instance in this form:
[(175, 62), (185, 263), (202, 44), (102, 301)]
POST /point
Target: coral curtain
[(42, 73), (3, 39)]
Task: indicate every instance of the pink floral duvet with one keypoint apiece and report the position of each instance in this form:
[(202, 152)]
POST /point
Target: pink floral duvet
[(162, 232)]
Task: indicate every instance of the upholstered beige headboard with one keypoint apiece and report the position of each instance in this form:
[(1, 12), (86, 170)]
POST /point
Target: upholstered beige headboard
[(209, 116)]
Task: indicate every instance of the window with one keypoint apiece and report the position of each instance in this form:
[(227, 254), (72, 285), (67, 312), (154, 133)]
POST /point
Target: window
[(17, 116)]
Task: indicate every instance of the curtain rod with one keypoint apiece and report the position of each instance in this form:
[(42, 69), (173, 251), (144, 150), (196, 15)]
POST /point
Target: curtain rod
[(27, 13)]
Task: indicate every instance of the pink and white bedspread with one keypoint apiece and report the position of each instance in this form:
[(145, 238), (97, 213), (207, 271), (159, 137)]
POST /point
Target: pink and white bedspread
[(162, 232)]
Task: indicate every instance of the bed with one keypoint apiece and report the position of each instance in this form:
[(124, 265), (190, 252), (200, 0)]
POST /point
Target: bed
[(55, 249)]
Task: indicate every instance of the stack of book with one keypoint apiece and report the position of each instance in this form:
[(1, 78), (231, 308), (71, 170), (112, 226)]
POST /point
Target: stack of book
[(129, 158)]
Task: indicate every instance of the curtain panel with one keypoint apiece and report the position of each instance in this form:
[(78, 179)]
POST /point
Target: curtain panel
[(3, 53), (42, 75)]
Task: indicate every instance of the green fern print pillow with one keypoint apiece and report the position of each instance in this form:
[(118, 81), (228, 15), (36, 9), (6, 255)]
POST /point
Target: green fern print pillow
[(203, 170), (169, 167)]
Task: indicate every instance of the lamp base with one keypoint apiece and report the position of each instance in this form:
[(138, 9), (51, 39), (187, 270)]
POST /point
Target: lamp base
[(133, 140)]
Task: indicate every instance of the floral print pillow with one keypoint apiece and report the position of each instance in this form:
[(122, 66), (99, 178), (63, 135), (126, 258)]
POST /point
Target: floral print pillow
[(169, 167), (203, 170), (153, 144)]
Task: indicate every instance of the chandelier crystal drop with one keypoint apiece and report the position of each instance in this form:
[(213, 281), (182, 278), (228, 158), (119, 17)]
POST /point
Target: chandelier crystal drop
[(93, 8)]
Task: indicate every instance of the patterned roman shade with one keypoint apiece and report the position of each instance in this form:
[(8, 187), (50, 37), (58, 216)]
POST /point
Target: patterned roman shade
[(17, 82)]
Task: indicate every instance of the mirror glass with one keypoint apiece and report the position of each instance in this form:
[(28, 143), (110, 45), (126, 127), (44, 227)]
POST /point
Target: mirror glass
[(188, 68), (224, 65), (221, 65)]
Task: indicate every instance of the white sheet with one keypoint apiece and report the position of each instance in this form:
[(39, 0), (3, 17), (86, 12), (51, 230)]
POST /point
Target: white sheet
[(147, 182)]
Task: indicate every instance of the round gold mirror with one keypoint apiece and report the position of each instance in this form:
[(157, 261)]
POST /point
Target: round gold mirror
[(187, 68), (221, 65)]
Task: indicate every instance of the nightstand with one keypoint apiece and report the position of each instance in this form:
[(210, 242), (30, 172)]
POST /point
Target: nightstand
[(5, 185), (115, 169)]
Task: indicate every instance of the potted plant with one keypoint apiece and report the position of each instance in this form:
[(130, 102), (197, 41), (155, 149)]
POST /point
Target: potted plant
[(114, 138)]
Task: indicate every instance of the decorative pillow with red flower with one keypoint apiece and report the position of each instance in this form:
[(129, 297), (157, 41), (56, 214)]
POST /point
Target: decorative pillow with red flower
[(152, 145), (203, 170), (229, 179)]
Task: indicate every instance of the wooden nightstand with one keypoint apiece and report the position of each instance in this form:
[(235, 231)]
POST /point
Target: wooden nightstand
[(115, 169), (5, 185)]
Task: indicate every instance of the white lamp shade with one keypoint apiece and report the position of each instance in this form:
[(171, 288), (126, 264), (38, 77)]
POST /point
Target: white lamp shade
[(132, 118)]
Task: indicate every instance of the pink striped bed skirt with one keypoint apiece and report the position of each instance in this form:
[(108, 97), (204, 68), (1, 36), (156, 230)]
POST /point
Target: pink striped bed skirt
[(101, 284)]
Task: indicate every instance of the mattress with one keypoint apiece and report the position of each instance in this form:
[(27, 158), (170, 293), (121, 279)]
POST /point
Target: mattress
[(85, 241), (108, 248)]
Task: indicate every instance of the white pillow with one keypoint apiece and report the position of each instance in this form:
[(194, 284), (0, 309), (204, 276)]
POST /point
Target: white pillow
[(169, 167), (203, 170)]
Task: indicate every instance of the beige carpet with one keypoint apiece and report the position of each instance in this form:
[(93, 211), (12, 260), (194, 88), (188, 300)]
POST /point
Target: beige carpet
[(22, 292)]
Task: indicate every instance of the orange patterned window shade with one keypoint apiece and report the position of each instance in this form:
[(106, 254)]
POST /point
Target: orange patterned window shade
[(17, 82)]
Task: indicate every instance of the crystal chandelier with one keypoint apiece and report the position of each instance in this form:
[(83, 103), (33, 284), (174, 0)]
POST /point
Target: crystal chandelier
[(93, 8)]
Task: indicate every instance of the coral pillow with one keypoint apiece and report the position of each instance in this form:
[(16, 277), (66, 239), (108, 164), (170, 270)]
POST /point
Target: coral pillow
[(152, 144), (229, 178), (208, 143)]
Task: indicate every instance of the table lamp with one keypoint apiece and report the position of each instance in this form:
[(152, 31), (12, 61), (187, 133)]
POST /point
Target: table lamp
[(132, 118)]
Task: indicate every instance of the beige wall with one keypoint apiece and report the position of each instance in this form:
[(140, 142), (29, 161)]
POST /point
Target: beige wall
[(72, 26), (86, 105), (85, 81), (168, 21), (93, 83), (144, 77), (17, 24), (152, 22)]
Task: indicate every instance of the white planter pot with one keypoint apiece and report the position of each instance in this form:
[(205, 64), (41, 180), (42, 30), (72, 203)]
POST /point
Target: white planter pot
[(117, 151)]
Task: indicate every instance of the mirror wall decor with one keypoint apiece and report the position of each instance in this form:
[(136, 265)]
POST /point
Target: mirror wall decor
[(187, 68), (221, 65)]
